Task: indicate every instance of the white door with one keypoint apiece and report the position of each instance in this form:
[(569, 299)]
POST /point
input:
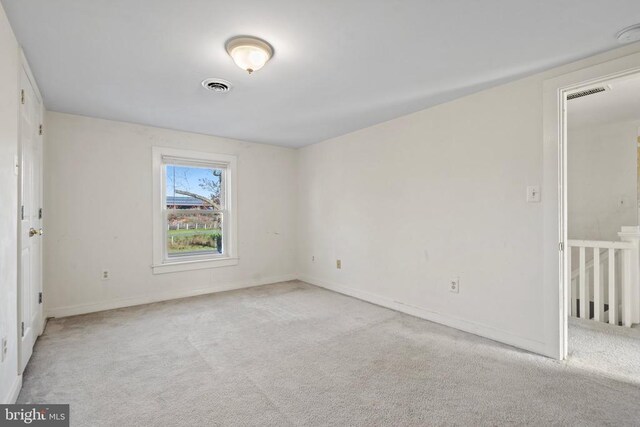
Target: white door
[(30, 219)]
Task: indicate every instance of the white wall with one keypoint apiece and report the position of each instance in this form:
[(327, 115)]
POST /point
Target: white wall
[(409, 204), (602, 175), (98, 210), (9, 380), (406, 205)]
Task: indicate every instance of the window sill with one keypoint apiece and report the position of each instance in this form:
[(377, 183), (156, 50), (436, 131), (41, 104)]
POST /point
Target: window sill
[(173, 267)]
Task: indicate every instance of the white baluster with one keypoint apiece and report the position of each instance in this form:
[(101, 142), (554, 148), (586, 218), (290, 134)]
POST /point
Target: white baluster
[(571, 301), (626, 288), (613, 304), (583, 285), (597, 289)]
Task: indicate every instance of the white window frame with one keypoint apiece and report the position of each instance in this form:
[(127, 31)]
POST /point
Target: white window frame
[(162, 263)]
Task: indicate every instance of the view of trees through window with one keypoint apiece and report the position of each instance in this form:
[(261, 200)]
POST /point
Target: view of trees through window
[(194, 210)]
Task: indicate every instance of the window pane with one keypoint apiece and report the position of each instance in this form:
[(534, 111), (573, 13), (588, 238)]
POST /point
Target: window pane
[(194, 232), (194, 204), (192, 187)]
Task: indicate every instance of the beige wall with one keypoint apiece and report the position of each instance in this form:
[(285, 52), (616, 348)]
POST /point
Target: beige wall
[(9, 380), (602, 174), (407, 205), (98, 192), (412, 203)]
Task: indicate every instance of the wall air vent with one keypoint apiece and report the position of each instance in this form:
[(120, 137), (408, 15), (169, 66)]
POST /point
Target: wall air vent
[(587, 92), (217, 85)]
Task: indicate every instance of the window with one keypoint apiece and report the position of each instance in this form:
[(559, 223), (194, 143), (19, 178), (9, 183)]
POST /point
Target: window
[(194, 210)]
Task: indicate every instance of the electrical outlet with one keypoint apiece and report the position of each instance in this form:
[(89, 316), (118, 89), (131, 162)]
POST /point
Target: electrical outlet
[(454, 285), (338, 264), (3, 349), (106, 275)]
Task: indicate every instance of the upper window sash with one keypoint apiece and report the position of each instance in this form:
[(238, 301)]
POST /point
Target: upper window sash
[(208, 165)]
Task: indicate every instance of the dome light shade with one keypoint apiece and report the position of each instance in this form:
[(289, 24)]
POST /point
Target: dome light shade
[(249, 53)]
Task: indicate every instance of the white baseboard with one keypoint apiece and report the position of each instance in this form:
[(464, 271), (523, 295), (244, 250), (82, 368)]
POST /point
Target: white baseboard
[(447, 320), (14, 391), (443, 319), (165, 296)]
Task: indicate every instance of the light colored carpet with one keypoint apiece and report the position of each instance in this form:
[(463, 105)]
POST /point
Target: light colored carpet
[(613, 351), (295, 354)]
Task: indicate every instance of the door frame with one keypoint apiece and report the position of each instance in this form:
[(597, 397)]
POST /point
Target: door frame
[(24, 67), (555, 181)]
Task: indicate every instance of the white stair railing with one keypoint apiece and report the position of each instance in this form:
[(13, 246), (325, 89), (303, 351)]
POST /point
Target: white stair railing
[(607, 276)]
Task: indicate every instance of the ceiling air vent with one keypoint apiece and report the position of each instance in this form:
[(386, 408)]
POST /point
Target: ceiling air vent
[(217, 85), (587, 92)]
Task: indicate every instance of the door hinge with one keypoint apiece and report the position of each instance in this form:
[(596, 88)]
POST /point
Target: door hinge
[(39, 297), (41, 130), (561, 246), (22, 212), (22, 96), (22, 327), (40, 213)]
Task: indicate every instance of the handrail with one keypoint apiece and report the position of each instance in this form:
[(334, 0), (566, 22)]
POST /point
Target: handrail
[(600, 244)]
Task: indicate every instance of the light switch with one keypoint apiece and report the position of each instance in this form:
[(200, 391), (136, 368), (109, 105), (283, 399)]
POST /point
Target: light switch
[(533, 194)]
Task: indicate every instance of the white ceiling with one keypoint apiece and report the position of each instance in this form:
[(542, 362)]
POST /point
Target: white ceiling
[(619, 103), (338, 65)]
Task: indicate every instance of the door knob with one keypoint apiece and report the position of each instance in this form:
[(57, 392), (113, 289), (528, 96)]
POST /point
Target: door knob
[(32, 232)]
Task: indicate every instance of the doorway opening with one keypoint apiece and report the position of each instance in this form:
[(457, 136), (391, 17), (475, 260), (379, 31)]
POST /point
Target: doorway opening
[(602, 256)]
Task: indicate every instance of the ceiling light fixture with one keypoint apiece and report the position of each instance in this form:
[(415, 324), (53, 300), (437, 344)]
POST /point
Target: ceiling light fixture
[(249, 53), (629, 34)]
